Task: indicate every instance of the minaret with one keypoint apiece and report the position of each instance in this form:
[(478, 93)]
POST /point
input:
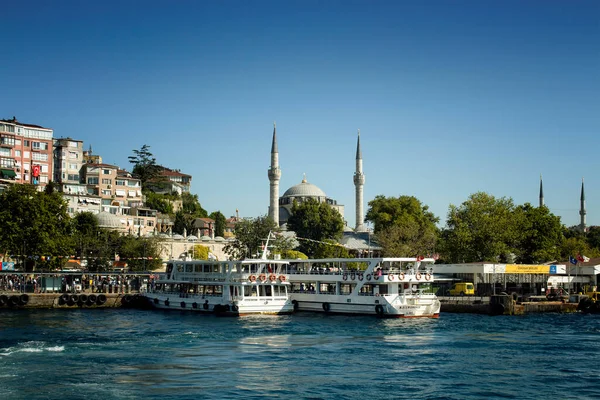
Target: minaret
[(582, 211), (359, 182), (541, 192), (274, 176)]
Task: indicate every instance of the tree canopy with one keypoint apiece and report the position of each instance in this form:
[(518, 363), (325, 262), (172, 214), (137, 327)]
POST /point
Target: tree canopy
[(403, 226), (540, 234), (251, 235), (314, 223), (144, 163), (34, 223), (220, 223), (480, 229)]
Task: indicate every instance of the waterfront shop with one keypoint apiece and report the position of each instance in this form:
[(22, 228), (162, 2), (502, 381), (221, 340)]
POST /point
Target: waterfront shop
[(522, 279)]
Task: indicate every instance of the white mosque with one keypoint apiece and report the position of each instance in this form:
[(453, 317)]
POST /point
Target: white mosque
[(280, 208)]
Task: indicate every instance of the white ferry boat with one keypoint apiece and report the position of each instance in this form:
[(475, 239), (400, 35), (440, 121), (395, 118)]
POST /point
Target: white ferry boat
[(386, 287), (222, 287)]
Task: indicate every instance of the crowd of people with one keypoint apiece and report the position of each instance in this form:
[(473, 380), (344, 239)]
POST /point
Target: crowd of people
[(74, 283)]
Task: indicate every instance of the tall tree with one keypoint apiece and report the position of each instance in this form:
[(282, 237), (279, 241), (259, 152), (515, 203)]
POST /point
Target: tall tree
[(482, 228), (403, 226), (220, 223), (34, 224), (251, 235), (313, 223), (145, 167), (540, 234)]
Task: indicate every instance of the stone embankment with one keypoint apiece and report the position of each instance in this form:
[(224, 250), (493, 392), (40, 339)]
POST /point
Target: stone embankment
[(17, 300), (502, 305)]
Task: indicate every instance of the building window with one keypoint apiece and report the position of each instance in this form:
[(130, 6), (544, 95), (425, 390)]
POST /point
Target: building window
[(120, 182), (92, 180), (26, 143), (8, 140), (106, 181), (106, 171), (74, 177)]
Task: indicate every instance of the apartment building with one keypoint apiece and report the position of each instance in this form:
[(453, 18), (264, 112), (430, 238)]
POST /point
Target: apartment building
[(171, 181), (121, 195), (25, 153)]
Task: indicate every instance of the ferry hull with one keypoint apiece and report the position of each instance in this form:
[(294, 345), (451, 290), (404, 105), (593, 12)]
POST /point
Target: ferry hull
[(218, 306)]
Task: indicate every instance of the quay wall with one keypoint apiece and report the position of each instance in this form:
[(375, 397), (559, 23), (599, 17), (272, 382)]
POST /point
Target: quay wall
[(53, 300), (502, 305)]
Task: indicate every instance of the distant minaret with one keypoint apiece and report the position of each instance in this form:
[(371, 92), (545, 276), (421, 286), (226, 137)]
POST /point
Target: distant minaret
[(541, 192), (582, 211), (359, 182), (274, 176)]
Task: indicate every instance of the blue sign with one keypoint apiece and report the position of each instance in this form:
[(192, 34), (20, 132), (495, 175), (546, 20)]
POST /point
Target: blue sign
[(553, 269), (7, 266)]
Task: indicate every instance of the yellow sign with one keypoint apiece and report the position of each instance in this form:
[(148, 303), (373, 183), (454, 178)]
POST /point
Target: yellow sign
[(527, 269)]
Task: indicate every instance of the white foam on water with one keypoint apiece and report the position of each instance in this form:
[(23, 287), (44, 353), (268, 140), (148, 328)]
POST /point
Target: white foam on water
[(55, 348)]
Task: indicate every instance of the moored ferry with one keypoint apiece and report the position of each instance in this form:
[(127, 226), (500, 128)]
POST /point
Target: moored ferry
[(386, 287), (222, 287)]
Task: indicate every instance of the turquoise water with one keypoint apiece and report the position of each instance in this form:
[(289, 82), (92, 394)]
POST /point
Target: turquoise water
[(132, 354)]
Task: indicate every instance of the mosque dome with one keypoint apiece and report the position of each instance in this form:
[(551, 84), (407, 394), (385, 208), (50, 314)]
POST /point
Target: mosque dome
[(108, 220), (304, 189)]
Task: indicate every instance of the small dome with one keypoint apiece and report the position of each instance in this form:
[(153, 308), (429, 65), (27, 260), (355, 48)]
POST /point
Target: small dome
[(177, 237), (108, 220), (219, 239), (304, 189), (205, 237), (192, 238)]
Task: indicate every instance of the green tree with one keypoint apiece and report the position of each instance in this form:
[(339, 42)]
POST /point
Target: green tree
[(159, 202), (199, 252), (483, 228), (183, 223), (540, 234), (220, 223), (34, 224), (593, 237), (313, 223), (403, 226), (145, 167), (191, 206), (140, 253), (251, 235)]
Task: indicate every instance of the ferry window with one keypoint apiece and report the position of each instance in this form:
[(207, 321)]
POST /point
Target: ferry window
[(198, 268), (268, 291), (216, 268), (383, 289), (189, 268), (180, 267), (169, 268)]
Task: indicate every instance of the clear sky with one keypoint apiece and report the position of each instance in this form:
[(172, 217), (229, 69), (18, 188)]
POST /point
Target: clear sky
[(451, 97)]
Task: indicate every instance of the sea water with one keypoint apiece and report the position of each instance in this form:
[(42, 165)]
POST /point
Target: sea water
[(133, 354)]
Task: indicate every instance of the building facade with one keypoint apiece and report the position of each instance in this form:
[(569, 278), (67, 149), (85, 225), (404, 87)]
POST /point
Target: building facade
[(25, 153)]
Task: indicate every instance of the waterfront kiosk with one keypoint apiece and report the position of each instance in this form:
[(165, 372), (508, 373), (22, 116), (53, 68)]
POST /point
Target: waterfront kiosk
[(524, 279)]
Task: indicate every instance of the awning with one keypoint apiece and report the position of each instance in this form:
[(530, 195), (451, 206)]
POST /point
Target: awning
[(8, 173)]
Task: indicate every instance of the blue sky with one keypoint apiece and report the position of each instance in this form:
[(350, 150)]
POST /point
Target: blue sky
[(451, 97)]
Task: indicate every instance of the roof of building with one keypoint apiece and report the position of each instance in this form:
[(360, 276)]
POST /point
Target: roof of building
[(108, 220), (171, 172), (101, 165), (14, 121), (304, 189), (359, 241)]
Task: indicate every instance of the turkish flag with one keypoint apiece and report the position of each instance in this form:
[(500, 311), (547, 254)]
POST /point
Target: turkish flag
[(36, 171)]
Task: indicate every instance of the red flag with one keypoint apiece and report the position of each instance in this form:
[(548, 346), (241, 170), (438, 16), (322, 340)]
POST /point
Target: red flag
[(580, 258)]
